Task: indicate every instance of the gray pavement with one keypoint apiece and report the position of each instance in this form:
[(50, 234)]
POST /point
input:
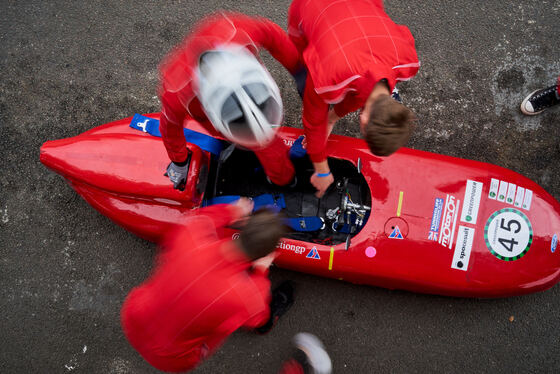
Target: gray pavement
[(65, 269)]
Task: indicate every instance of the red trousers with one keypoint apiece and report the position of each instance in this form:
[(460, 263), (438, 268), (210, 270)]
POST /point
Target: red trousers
[(276, 162)]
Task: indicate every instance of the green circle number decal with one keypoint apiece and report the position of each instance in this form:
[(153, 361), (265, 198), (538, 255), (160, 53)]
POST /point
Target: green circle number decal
[(508, 234)]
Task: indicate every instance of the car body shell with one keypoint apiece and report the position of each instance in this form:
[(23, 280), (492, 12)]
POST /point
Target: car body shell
[(438, 224)]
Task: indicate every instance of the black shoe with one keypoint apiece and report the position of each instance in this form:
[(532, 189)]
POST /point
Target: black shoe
[(282, 301), (539, 100)]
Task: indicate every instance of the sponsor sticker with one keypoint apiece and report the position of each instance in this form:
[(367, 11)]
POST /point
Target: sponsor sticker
[(493, 192), (297, 249), (314, 254), (396, 234), (511, 193), (502, 191), (449, 221), (527, 199), (554, 243), (519, 196), (508, 234), (463, 248), (471, 202), (436, 219)]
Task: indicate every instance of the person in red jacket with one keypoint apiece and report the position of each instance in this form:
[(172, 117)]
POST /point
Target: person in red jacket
[(354, 54), (215, 78), (205, 287)]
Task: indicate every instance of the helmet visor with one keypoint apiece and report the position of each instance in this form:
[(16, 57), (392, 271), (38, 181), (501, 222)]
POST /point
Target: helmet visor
[(265, 101), (234, 119)]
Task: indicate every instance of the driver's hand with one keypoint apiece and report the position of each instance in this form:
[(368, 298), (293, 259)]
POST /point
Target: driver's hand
[(321, 183), (177, 175)]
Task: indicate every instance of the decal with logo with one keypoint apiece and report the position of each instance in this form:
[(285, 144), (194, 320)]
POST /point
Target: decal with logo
[(554, 243), (527, 199), (314, 254), (508, 234), (471, 202), (463, 248), (449, 221), (297, 249), (493, 192), (510, 193), (519, 197), (396, 234), (436, 219), (502, 191)]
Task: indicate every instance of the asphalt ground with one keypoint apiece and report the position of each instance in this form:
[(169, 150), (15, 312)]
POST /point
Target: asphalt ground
[(65, 270)]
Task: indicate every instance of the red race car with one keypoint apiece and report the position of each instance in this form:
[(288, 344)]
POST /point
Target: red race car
[(416, 220)]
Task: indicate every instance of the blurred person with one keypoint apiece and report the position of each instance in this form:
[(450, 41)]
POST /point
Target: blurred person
[(354, 54), (204, 288), (215, 78), (537, 101)]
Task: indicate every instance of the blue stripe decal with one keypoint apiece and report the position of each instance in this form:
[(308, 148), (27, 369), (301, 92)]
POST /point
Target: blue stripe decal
[(151, 126)]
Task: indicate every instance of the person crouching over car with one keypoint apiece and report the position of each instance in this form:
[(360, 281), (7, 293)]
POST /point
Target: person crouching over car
[(355, 54), (205, 287), (215, 78)]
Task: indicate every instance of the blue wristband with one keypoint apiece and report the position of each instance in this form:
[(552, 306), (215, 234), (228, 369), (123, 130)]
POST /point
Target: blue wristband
[(322, 175)]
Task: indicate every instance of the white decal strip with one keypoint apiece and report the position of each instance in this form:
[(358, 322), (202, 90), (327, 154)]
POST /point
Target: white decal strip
[(471, 202), (527, 199), (463, 248), (519, 196), (502, 191), (493, 193)]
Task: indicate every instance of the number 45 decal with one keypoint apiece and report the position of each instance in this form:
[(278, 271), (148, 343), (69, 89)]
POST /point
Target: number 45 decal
[(508, 234), (509, 244)]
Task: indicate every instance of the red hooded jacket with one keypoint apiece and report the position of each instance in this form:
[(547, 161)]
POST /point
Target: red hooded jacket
[(201, 291), (347, 46)]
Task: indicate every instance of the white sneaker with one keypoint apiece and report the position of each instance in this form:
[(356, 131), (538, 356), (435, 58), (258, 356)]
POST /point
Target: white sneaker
[(317, 357), (539, 100)]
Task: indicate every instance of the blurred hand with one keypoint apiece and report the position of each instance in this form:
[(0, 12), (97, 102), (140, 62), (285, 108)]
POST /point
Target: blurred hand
[(321, 183), (264, 263), (245, 206)]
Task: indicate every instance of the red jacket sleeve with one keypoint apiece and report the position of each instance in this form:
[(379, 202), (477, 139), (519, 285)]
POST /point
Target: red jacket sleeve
[(294, 31), (176, 94), (173, 113), (315, 116)]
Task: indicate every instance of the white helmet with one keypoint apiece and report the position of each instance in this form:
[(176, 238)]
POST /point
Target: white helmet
[(239, 96)]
